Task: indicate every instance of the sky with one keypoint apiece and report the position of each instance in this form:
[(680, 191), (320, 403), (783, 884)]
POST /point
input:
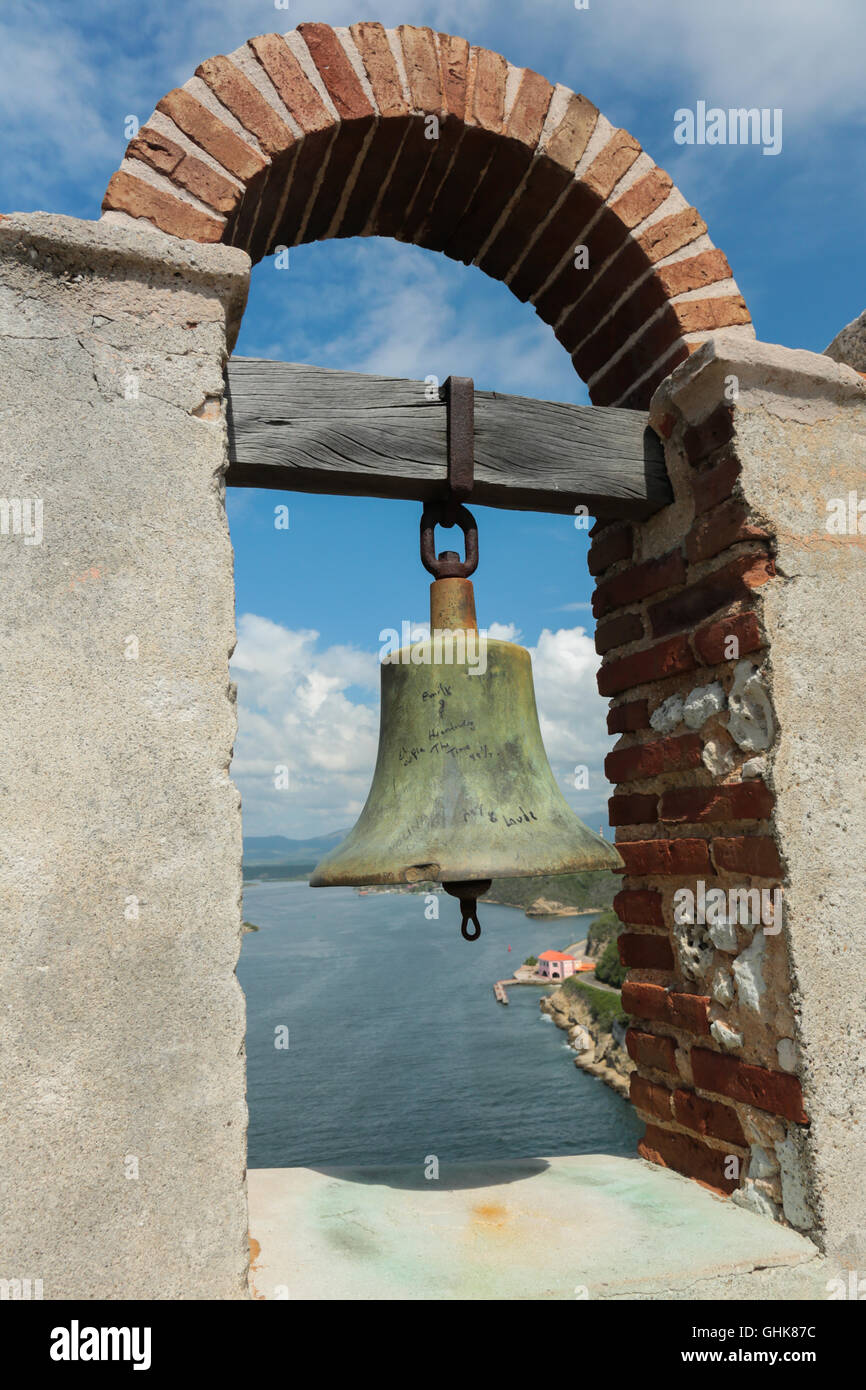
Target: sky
[(312, 599)]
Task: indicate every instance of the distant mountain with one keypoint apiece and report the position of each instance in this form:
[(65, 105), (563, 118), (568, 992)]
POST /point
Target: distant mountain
[(260, 850)]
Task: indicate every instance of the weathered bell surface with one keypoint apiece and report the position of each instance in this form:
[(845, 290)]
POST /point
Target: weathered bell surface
[(462, 789)]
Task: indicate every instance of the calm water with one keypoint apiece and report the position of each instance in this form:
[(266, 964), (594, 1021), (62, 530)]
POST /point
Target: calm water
[(397, 1048)]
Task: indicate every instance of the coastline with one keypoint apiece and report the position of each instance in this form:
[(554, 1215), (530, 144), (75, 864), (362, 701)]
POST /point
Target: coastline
[(601, 1051)]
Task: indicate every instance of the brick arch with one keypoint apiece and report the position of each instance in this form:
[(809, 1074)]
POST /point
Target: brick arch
[(329, 132)]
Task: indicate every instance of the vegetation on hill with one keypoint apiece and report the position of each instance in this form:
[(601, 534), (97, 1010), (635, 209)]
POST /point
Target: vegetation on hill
[(604, 929), (606, 1008), (580, 892), (281, 871), (594, 888), (610, 969)]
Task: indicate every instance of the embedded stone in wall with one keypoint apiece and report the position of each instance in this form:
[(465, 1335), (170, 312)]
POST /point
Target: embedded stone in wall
[(751, 721), (748, 971), (795, 1202), (786, 1051), (702, 703), (753, 1199), (668, 715), (725, 1036)]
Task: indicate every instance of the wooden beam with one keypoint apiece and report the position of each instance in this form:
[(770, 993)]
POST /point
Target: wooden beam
[(309, 429)]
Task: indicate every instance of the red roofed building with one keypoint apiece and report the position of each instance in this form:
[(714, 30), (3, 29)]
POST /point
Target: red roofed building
[(555, 966)]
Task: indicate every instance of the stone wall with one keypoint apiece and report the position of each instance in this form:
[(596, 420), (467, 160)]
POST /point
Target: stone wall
[(732, 627), (123, 1128)]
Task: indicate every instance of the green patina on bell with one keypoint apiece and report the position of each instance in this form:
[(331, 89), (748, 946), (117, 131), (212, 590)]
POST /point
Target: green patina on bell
[(462, 791)]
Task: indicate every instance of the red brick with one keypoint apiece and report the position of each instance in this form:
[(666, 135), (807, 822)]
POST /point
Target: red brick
[(725, 525), (380, 67), (612, 381), (609, 165), (612, 544), (748, 854), (452, 65), (691, 1012), (211, 134), (423, 71), (704, 315), (651, 1050), (640, 396), (732, 583), (332, 64), (645, 951), (155, 149), (639, 906), (668, 658), (639, 582), (125, 193), (593, 303), (486, 80), (169, 158), (246, 103), (480, 142), (687, 1156), (437, 85), (616, 632), (714, 485), (505, 172), (548, 178), (652, 343), (704, 438), (650, 1097), (708, 1117), (632, 810), (777, 1092), (627, 718), (648, 296), (710, 641), (686, 856), (644, 196), (312, 152), (671, 233), (416, 158), (559, 236), (750, 800), (294, 88), (665, 426), (653, 758), (694, 273)]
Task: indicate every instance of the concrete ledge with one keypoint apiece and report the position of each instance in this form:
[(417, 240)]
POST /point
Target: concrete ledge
[(104, 248), (592, 1227)]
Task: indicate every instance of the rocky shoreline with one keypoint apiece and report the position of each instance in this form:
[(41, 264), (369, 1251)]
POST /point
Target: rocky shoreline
[(600, 1050)]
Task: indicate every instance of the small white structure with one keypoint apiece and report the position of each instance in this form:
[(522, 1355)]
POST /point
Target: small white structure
[(556, 966)]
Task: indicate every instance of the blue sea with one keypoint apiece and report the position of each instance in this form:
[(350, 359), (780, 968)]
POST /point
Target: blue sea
[(396, 1046)]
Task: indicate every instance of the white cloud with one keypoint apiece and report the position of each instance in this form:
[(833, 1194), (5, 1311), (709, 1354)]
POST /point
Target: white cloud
[(315, 711), (417, 315), (573, 716), (294, 711)]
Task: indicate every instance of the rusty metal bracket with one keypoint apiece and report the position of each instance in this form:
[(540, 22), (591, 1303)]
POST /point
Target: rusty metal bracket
[(458, 392), (459, 395)]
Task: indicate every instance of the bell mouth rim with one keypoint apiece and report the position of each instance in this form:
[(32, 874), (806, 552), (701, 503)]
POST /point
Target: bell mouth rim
[(460, 873)]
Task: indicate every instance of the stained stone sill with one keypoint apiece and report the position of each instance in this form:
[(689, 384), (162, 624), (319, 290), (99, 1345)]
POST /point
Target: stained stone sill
[(617, 1228)]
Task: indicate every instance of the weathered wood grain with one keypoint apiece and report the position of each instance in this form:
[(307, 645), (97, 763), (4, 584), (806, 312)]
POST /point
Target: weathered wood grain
[(309, 429)]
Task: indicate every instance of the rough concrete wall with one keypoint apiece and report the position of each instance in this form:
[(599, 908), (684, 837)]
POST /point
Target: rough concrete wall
[(123, 1022), (789, 433)]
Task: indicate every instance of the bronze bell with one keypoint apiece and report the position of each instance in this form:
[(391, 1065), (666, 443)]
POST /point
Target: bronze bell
[(462, 790)]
